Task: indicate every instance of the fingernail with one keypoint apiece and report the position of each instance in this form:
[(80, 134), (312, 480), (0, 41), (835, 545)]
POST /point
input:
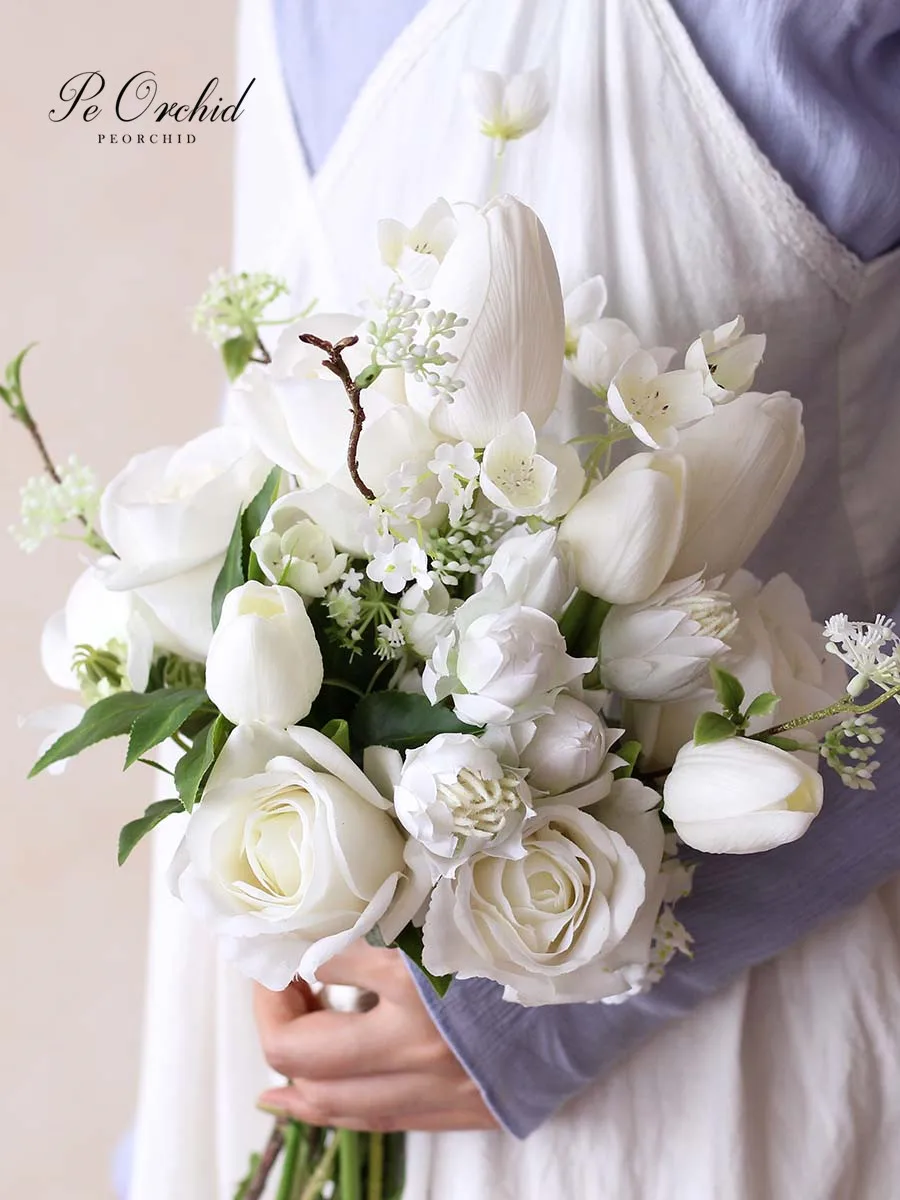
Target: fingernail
[(272, 1110)]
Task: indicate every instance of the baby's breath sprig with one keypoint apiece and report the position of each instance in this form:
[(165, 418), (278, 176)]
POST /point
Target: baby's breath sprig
[(409, 335), (849, 749)]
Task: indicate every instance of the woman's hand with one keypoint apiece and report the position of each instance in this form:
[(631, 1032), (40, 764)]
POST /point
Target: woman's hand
[(386, 1069)]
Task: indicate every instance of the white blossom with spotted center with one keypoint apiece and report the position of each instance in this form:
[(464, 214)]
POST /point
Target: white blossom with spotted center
[(656, 404)]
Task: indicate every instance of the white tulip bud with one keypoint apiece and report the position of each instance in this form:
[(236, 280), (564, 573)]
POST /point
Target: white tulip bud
[(264, 661), (741, 462), (624, 534), (739, 796)]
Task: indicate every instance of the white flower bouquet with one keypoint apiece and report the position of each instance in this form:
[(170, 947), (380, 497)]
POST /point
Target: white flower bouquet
[(438, 678)]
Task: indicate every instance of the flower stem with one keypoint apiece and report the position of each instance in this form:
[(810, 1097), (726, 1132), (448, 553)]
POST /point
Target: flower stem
[(289, 1169), (269, 1157), (351, 1164), (347, 687), (322, 1173), (336, 365), (375, 1190), (843, 705)]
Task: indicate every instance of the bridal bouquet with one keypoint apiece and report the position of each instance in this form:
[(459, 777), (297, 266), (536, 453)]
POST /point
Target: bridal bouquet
[(436, 676)]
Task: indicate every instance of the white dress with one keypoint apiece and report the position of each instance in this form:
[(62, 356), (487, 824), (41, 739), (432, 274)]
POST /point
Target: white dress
[(644, 173)]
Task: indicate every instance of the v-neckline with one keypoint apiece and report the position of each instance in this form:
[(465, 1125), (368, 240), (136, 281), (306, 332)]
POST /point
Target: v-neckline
[(399, 58)]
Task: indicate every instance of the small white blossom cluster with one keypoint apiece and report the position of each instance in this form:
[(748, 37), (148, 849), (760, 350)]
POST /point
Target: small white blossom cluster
[(870, 648), (466, 549), (850, 748), (48, 506), (409, 336), (232, 305)]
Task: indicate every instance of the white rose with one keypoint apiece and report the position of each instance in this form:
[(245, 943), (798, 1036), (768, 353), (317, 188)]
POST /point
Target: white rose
[(116, 625), (739, 796), (264, 661), (741, 462), (502, 663), (567, 751), (624, 534), (533, 569), (291, 855), (661, 649), (554, 925), (453, 795), (501, 276), (169, 516), (294, 550), (776, 647), (727, 359)]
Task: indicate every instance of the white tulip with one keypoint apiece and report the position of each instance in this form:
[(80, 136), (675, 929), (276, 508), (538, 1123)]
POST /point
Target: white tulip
[(295, 551), (264, 661), (624, 534), (727, 359), (416, 253), (291, 856), (533, 570), (508, 106), (452, 795), (661, 649), (502, 663), (500, 274), (655, 405), (739, 796), (741, 462), (116, 625), (569, 921)]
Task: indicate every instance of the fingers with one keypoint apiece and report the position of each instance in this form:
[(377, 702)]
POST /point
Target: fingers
[(385, 1103), (370, 968)]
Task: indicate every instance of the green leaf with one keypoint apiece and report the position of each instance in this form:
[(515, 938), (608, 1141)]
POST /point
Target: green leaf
[(193, 768), (729, 690), (236, 353), (410, 942), (255, 513), (231, 574), (368, 375), (6, 397), (133, 832), (339, 732), (763, 706), (14, 371), (164, 716), (402, 720), (630, 752), (712, 727), (573, 619), (784, 743), (111, 717)]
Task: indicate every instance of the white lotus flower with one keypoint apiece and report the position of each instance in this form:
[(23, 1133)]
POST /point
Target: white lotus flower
[(727, 358), (501, 276), (416, 253), (508, 106), (741, 461), (655, 405), (739, 796), (264, 661), (452, 795), (661, 649), (624, 534)]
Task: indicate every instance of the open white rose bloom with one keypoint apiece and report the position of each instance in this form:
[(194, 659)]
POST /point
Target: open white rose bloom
[(436, 678), (439, 679)]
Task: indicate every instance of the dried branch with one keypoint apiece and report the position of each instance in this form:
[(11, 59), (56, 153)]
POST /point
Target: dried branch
[(267, 1161), (335, 363)]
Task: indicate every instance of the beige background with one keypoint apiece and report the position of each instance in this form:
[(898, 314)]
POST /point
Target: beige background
[(102, 251)]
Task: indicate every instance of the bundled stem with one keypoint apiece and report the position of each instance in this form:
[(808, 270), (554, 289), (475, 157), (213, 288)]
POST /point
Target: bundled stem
[(335, 363), (267, 1161)]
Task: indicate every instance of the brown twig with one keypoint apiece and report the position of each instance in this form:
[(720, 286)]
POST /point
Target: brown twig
[(335, 363), (267, 1161)]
